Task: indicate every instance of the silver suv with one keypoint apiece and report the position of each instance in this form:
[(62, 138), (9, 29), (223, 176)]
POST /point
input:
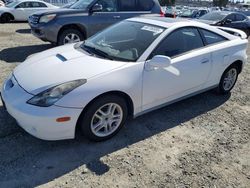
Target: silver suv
[(86, 17)]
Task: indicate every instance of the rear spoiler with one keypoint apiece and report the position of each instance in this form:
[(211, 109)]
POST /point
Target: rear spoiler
[(235, 32)]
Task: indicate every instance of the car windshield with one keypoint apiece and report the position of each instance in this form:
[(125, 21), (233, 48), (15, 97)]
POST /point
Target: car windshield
[(12, 4), (81, 4), (214, 16), (125, 41), (188, 13)]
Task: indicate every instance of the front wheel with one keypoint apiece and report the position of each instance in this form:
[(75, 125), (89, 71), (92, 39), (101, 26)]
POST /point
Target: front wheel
[(69, 36), (104, 118), (5, 18), (228, 79)]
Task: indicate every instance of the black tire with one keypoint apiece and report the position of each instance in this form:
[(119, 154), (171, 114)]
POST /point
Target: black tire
[(247, 32), (5, 18), (88, 115), (66, 32), (221, 88)]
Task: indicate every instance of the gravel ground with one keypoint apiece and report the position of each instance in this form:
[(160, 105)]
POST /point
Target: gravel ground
[(203, 141)]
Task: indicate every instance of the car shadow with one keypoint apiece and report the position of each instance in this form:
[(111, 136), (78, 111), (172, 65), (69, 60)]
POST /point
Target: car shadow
[(19, 54), (30, 162), (23, 31)]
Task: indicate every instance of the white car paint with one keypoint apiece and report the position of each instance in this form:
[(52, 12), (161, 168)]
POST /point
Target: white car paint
[(22, 14), (188, 74)]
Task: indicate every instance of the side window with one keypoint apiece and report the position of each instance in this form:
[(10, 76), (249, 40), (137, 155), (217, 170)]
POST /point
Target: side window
[(21, 5), (108, 5), (127, 5), (145, 5), (35, 5), (42, 5), (240, 17), (212, 38), (179, 42), (231, 17)]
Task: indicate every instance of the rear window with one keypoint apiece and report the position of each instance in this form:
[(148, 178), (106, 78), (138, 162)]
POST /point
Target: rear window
[(145, 5), (127, 5)]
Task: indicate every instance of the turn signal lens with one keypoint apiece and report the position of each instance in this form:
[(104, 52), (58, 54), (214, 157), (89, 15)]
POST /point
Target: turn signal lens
[(63, 119)]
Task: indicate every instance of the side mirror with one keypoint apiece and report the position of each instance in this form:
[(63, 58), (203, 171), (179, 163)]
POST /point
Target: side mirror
[(158, 61), (97, 8), (228, 21)]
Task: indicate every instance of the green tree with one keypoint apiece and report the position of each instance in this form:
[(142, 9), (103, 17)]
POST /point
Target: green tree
[(220, 3), (167, 2)]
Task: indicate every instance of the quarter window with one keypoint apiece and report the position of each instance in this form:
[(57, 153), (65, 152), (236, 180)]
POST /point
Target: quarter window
[(212, 38), (127, 5), (179, 42)]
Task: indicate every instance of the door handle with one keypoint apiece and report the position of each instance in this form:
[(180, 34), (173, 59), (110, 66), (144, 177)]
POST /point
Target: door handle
[(117, 17), (205, 61)]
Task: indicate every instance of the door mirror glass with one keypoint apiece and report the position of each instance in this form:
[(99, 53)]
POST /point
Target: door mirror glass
[(97, 8), (158, 61)]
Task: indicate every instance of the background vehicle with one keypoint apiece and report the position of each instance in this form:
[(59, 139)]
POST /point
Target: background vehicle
[(86, 17), (154, 62), (193, 13), (1, 3), (20, 10), (227, 19)]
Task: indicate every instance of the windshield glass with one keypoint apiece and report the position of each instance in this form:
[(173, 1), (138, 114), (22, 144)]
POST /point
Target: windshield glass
[(81, 4), (188, 13), (213, 16), (12, 4), (125, 41)]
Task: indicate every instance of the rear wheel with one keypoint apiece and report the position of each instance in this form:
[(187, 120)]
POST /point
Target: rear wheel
[(5, 18), (69, 36), (228, 79), (104, 118)]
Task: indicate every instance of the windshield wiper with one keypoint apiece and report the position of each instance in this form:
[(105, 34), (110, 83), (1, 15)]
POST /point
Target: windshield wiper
[(98, 52)]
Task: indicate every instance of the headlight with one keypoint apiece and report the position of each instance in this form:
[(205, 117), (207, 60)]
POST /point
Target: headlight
[(47, 18), (52, 95)]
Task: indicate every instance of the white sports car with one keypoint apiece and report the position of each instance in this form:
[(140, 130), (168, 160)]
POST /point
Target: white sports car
[(132, 67), (20, 10)]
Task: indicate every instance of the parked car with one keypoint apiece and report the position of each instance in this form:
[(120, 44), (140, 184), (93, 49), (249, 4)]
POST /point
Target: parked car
[(132, 67), (2, 3), (193, 13), (86, 17), (227, 19), (20, 10)]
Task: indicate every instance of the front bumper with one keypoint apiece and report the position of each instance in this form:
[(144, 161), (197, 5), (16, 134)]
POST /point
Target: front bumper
[(38, 121), (46, 32)]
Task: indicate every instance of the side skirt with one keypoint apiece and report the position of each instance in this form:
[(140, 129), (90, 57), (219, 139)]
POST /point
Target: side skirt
[(174, 101)]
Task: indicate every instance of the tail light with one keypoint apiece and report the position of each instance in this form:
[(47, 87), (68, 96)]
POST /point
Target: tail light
[(162, 13)]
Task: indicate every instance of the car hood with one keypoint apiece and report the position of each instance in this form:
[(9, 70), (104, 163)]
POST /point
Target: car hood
[(61, 11), (60, 65), (210, 22)]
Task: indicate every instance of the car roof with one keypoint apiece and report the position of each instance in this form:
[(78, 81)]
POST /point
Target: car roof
[(178, 23), (30, 0), (165, 22)]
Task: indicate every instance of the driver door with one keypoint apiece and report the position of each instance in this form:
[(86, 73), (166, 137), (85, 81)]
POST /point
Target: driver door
[(188, 72), (107, 16)]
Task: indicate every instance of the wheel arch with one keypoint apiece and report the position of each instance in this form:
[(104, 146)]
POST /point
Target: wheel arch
[(122, 94), (8, 13), (238, 64), (72, 26)]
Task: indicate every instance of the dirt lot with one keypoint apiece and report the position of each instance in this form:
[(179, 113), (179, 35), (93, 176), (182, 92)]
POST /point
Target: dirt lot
[(203, 141)]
